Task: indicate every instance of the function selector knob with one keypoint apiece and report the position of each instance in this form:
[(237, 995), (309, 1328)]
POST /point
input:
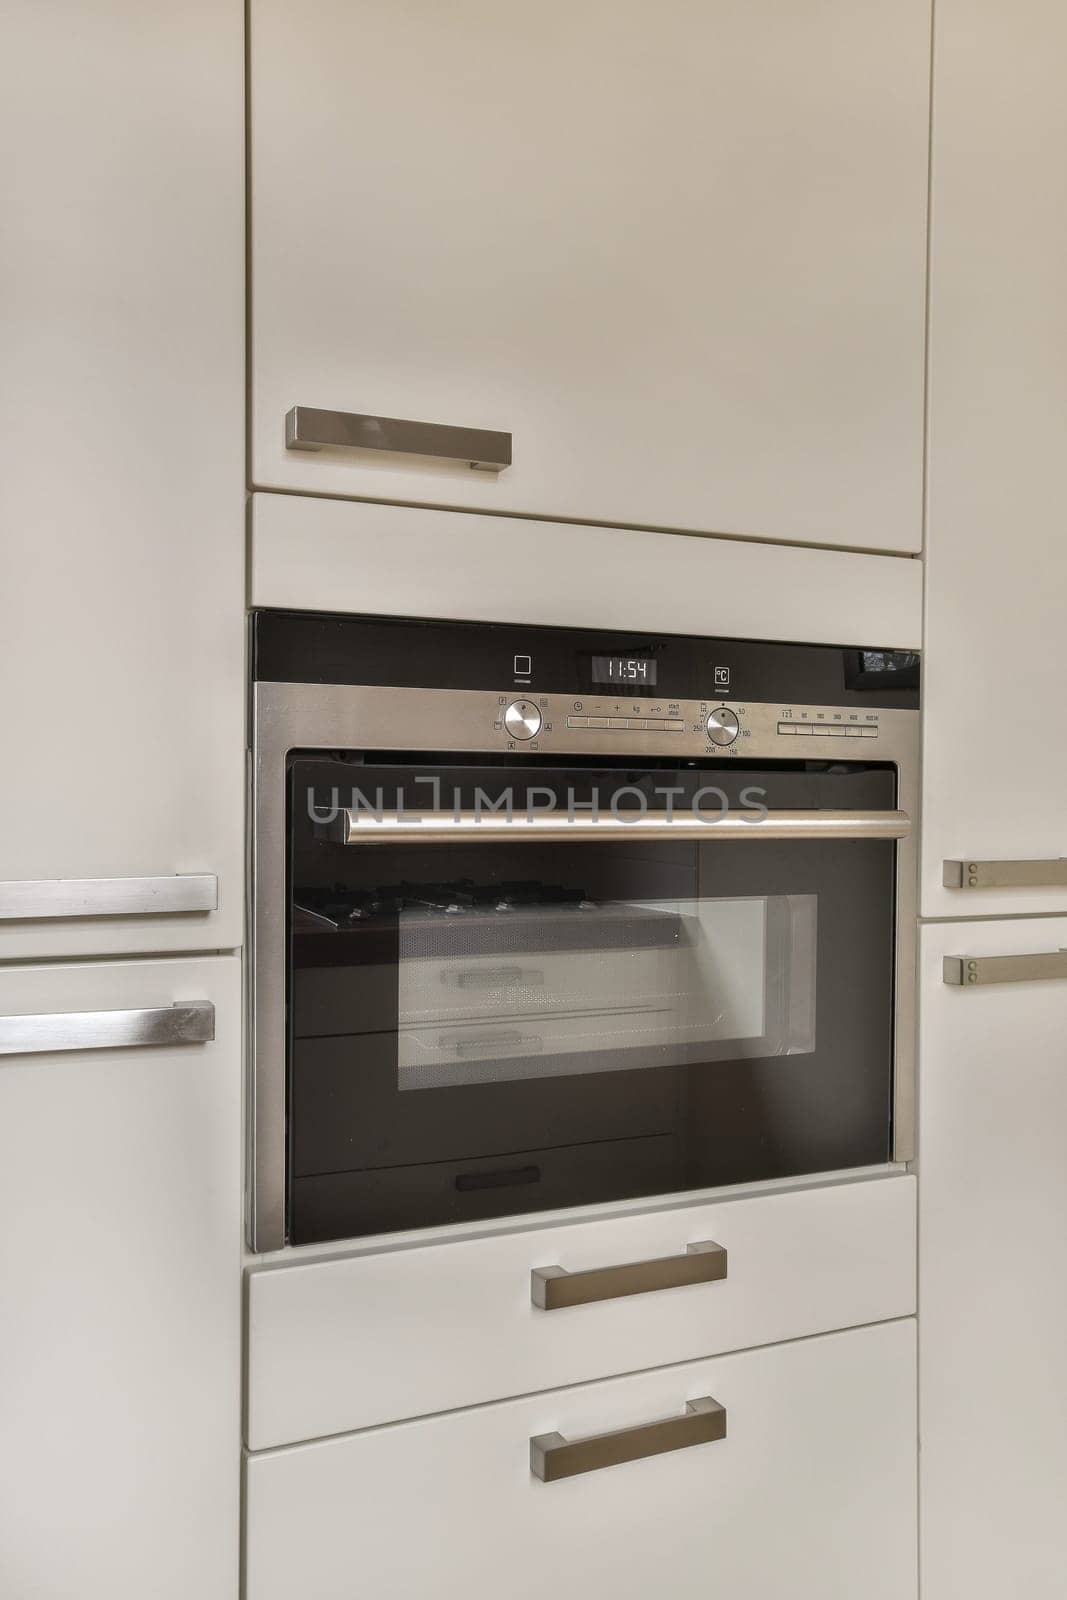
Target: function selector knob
[(522, 719), (722, 726)]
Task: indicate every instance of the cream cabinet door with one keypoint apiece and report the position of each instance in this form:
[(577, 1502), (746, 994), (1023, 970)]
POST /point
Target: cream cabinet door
[(995, 751), (120, 1317), (993, 1262), (810, 1493), (676, 251), (121, 478)]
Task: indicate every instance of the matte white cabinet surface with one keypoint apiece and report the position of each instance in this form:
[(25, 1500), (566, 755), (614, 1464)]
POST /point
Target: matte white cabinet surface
[(121, 464), (995, 756), (348, 1342), (993, 1269), (811, 1492), (120, 1311), (678, 252), (404, 561)]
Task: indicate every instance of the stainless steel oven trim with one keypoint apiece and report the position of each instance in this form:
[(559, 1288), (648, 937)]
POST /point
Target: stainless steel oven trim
[(303, 716)]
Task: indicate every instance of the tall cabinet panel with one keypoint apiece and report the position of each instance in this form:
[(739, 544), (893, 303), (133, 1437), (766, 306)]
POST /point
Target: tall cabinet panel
[(995, 761), (676, 251), (993, 1260), (121, 476), (120, 1313)]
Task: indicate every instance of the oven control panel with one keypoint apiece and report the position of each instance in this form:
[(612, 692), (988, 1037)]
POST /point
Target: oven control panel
[(612, 726)]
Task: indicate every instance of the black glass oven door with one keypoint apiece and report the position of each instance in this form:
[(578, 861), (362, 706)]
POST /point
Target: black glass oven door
[(487, 1027)]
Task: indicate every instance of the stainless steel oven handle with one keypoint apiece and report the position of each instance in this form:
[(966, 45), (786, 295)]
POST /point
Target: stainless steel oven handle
[(41, 899), (482, 449), (553, 1288), (1050, 874), (190, 1022), (967, 971), (360, 827), (553, 1457)]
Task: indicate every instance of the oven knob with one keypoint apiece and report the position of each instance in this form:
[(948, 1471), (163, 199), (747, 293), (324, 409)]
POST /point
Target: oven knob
[(722, 726), (522, 719)]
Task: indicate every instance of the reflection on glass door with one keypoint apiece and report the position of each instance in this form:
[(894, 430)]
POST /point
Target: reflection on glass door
[(480, 1029), (490, 992)]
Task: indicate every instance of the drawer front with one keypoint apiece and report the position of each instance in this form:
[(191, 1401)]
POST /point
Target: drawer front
[(811, 1492), (404, 561), (454, 1324)]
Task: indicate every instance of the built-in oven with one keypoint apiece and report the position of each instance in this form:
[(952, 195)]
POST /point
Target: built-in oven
[(545, 918)]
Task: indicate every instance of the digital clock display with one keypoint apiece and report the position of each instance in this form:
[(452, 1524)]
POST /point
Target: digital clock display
[(624, 670)]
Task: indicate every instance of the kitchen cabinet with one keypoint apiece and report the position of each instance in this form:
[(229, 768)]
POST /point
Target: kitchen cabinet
[(312, 554), (122, 478), (995, 760), (678, 254), (800, 1259), (993, 1261), (810, 1492), (120, 1323)]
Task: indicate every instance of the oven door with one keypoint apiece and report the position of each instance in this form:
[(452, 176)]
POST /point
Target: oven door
[(553, 990)]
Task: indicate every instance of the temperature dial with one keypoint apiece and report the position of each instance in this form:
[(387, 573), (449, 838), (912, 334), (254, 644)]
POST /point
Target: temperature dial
[(522, 719), (722, 726)]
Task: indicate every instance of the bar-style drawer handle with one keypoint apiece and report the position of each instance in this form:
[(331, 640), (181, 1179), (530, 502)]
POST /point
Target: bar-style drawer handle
[(41, 899), (479, 1044), (966, 971), (553, 1457), (552, 1288), (1051, 874), (191, 1022), (493, 977), (483, 449)]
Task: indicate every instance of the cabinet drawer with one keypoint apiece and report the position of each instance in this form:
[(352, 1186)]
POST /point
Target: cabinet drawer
[(810, 1492), (454, 1324), (403, 561)]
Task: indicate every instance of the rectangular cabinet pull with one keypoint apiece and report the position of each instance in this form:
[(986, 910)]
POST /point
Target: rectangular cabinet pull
[(1050, 874), (479, 1044), (553, 1457), (190, 1022), (483, 449), (552, 1288), (439, 827), (493, 977), (966, 971), (43, 899)]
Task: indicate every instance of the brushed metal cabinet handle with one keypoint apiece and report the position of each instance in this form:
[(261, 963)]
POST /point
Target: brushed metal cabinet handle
[(552, 1288), (431, 827), (1050, 874), (42, 899), (966, 971), (483, 449), (553, 1457), (190, 1022)]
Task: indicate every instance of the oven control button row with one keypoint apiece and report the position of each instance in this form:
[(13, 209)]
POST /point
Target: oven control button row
[(829, 730), (645, 724), (522, 719), (723, 726)]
